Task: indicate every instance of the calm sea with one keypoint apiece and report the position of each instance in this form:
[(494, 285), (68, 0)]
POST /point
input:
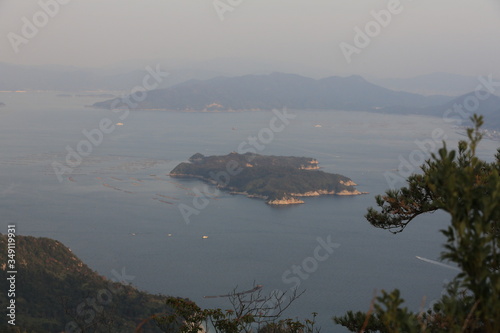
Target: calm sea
[(118, 210)]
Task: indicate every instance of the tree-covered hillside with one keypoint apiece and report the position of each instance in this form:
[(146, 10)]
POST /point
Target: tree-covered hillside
[(56, 291), (270, 177)]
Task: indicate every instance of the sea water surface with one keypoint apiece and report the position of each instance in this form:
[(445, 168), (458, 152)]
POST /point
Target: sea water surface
[(119, 210)]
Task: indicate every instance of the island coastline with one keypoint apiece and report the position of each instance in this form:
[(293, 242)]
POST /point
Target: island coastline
[(275, 179)]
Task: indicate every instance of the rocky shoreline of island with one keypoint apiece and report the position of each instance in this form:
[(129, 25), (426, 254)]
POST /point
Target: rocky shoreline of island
[(279, 180), (287, 199)]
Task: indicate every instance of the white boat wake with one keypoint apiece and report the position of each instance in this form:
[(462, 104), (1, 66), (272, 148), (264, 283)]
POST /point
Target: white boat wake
[(437, 263)]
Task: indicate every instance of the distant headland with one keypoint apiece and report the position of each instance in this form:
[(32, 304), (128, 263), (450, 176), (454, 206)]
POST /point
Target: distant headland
[(280, 180)]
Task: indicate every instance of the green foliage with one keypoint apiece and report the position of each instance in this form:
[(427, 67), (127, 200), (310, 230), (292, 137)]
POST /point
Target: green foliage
[(468, 189), (360, 321), (52, 286), (185, 317), (292, 326), (385, 316), (252, 312), (392, 317)]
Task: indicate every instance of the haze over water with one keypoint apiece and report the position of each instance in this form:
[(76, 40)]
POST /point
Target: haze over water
[(126, 226)]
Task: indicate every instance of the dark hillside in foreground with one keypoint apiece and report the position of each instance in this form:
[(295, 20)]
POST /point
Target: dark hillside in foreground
[(52, 286)]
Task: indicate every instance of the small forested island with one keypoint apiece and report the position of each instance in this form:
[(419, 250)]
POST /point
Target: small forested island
[(280, 180)]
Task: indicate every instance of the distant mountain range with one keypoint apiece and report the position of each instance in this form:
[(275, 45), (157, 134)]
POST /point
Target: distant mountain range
[(125, 75), (431, 84), (278, 90), (461, 107), (198, 87)]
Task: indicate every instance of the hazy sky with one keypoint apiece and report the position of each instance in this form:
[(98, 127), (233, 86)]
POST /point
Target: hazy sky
[(421, 36)]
